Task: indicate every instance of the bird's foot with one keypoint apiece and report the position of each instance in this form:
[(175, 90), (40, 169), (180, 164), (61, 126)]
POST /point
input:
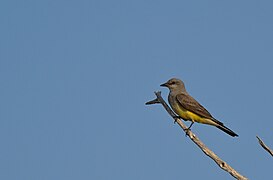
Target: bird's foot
[(189, 128), (187, 131), (175, 119)]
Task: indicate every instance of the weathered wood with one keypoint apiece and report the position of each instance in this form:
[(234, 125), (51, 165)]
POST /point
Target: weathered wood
[(265, 146)]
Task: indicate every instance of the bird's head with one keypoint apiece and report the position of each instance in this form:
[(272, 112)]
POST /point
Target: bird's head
[(174, 84)]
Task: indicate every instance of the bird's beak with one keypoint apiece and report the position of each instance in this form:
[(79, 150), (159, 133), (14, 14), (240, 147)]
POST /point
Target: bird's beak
[(164, 85)]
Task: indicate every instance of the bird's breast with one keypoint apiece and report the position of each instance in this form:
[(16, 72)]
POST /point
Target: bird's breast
[(182, 112), (179, 110)]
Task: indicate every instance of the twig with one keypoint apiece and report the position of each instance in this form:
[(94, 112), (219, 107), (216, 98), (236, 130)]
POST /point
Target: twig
[(264, 146), (222, 164)]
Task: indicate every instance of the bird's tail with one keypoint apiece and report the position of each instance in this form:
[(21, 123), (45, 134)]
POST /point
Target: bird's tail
[(226, 130)]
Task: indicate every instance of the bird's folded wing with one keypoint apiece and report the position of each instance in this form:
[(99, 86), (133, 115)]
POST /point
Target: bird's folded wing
[(190, 104)]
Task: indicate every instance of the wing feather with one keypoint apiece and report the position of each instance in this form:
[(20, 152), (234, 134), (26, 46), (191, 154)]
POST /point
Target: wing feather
[(190, 104)]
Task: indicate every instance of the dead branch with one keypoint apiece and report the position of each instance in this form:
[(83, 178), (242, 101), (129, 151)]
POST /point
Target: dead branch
[(222, 164), (264, 146)]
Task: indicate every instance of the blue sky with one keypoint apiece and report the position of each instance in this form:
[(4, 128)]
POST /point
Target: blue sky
[(75, 76)]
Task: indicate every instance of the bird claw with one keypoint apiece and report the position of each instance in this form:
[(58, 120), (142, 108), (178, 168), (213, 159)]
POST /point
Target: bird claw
[(187, 131), (175, 119)]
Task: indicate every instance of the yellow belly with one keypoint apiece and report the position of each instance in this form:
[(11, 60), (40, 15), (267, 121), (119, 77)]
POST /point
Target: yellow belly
[(187, 115)]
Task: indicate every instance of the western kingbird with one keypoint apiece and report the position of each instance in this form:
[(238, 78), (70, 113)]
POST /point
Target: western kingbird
[(188, 108)]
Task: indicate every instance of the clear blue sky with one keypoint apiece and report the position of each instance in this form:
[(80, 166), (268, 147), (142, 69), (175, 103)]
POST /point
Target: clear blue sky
[(75, 76)]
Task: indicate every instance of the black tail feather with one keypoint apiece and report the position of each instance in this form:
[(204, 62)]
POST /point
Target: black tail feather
[(227, 130)]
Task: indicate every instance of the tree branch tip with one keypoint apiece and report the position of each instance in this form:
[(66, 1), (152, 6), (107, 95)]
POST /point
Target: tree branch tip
[(155, 101), (265, 146)]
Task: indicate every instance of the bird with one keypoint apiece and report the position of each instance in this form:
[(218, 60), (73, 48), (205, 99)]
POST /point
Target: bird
[(187, 108)]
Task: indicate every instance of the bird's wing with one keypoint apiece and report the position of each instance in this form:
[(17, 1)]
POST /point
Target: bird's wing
[(190, 104)]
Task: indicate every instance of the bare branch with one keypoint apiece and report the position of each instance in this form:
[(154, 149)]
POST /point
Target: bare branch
[(155, 101), (264, 146), (222, 164)]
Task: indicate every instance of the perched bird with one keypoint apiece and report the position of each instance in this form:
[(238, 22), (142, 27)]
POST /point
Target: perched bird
[(188, 108)]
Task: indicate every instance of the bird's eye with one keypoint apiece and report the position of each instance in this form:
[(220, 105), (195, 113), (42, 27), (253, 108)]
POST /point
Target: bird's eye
[(172, 82)]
